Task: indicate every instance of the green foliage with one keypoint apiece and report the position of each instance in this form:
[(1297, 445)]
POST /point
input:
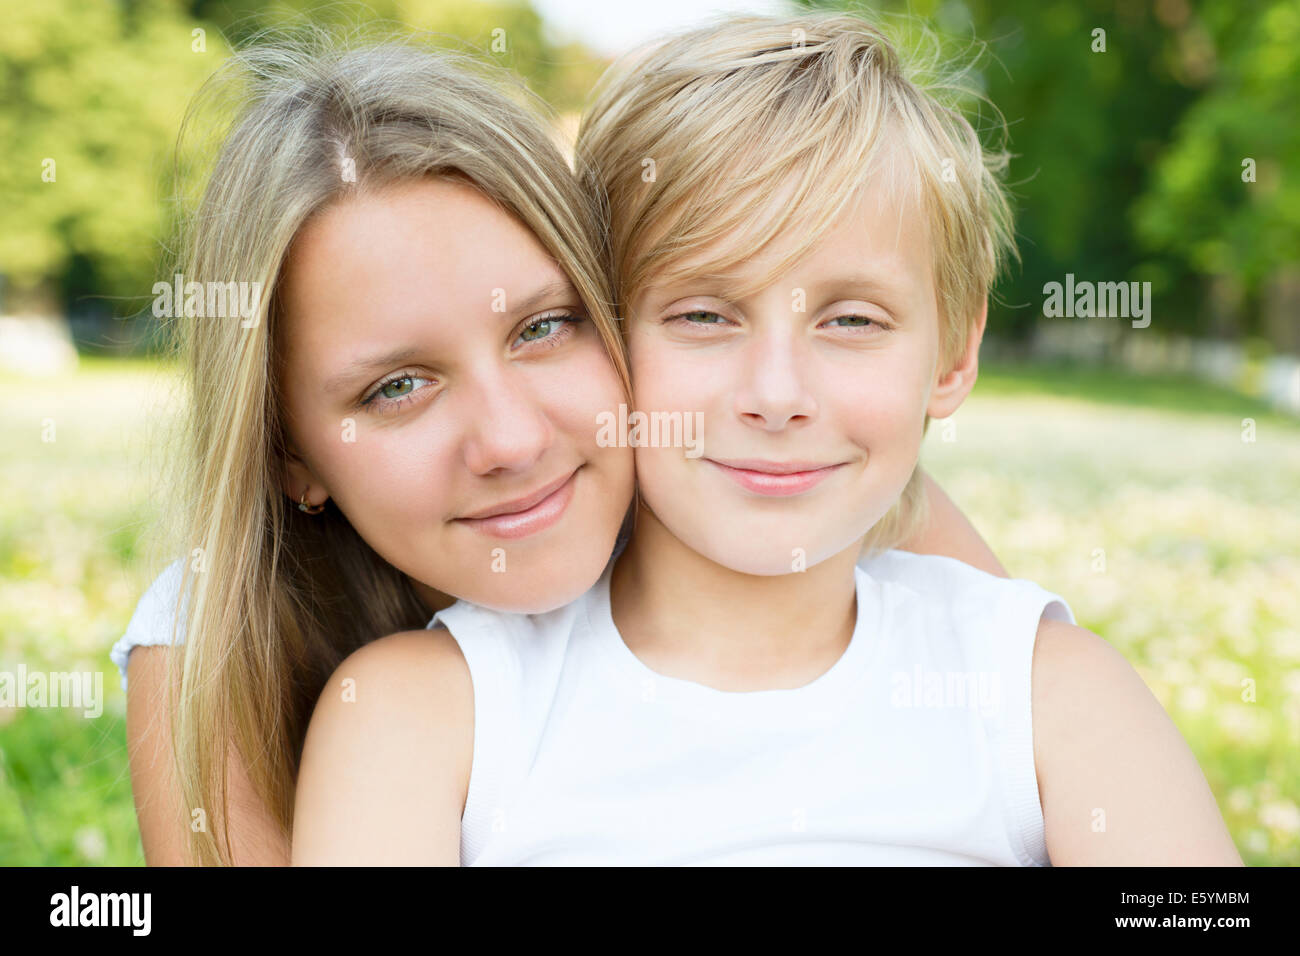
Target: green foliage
[(100, 92), (1129, 161), (1199, 208), (100, 89)]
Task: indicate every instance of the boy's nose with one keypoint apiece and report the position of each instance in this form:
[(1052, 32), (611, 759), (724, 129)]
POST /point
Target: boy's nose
[(774, 391)]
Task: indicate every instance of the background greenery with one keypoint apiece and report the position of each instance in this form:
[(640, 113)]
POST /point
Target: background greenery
[(1128, 167), (1199, 531), (1128, 162), (100, 87)]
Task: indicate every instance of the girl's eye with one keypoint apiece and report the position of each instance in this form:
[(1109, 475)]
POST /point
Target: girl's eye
[(553, 328), (398, 387), (395, 391)]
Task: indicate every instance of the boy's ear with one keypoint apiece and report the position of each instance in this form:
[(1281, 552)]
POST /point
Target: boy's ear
[(298, 480), (953, 386)]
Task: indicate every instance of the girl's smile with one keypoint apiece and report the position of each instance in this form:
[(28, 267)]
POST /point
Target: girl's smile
[(528, 515)]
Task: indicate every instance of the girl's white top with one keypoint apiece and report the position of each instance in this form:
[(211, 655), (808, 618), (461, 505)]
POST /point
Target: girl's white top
[(914, 748)]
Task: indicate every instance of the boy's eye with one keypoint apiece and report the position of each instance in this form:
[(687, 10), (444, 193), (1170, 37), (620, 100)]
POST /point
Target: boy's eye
[(699, 317), (857, 322)]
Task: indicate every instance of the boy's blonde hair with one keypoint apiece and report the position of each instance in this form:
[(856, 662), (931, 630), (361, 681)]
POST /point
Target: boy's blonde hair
[(688, 140)]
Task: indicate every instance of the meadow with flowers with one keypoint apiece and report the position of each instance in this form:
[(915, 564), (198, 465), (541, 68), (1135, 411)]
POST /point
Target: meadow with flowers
[(1164, 510)]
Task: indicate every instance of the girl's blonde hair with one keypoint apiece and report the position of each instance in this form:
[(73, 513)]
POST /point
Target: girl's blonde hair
[(688, 139), (275, 599)]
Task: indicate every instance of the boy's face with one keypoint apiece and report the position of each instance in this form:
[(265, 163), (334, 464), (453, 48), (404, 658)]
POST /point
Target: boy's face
[(836, 393)]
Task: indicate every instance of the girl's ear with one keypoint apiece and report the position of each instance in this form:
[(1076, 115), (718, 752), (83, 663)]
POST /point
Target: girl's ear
[(952, 387), (298, 480)]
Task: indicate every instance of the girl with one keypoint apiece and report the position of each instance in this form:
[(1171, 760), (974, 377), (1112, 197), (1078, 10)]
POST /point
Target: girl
[(737, 688), (406, 419)]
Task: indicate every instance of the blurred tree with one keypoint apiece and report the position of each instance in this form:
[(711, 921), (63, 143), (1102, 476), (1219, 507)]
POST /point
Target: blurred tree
[(1219, 201), (91, 98), (1128, 161), (510, 33), (92, 95)]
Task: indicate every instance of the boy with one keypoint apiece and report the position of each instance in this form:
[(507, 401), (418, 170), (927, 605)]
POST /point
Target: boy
[(766, 180)]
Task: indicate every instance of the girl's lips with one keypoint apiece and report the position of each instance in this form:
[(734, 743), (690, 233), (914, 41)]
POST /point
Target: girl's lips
[(520, 524), (776, 485)]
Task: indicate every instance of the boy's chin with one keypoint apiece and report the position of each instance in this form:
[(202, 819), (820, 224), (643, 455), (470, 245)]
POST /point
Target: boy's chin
[(746, 556)]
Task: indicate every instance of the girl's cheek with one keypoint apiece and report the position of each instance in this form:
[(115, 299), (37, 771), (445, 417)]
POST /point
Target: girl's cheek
[(398, 475), (574, 404)]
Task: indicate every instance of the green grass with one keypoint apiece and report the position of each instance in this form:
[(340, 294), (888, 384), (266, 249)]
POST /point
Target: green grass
[(1199, 532), (76, 459), (1104, 386)]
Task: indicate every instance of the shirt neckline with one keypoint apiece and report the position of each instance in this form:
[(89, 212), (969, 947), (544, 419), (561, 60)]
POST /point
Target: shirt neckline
[(817, 699)]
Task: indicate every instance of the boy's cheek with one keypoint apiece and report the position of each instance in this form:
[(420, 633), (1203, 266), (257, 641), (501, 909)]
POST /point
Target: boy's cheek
[(879, 406), (685, 395)]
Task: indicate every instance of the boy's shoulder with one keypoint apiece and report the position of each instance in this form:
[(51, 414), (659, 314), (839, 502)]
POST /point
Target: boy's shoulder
[(924, 570), (942, 581), (1117, 783), (1077, 678), (911, 566)]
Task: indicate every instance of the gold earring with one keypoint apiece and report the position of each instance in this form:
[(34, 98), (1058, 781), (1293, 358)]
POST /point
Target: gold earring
[(309, 509)]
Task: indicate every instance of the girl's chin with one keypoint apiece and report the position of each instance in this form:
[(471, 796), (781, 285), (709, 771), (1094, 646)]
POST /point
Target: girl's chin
[(512, 601)]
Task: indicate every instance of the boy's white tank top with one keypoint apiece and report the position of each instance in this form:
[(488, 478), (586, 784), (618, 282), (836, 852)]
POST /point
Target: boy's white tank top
[(915, 748)]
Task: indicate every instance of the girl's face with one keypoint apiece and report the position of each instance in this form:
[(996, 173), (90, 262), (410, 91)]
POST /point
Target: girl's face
[(813, 392), (441, 382)]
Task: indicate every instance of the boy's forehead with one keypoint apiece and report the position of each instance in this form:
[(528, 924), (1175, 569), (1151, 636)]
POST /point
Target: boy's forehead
[(878, 233)]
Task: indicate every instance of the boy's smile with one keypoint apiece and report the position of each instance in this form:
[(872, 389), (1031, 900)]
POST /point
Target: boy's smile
[(814, 388), (776, 478)]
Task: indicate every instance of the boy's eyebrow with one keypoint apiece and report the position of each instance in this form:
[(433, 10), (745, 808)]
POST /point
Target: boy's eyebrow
[(861, 280), (706, 286), (716, 286)]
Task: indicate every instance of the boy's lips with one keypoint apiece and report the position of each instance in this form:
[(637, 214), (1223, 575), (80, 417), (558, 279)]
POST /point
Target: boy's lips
[(775, 478)]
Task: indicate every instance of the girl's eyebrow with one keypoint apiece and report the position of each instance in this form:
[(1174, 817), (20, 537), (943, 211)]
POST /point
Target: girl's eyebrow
[(556, 289), (342, 379)]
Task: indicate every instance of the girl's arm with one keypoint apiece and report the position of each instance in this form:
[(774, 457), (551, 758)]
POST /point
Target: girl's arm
[(164, 824), (1117, 783), (948, 533), (386, 765)]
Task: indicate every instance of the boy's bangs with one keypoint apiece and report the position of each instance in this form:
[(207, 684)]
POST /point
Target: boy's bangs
[(788, 188)]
